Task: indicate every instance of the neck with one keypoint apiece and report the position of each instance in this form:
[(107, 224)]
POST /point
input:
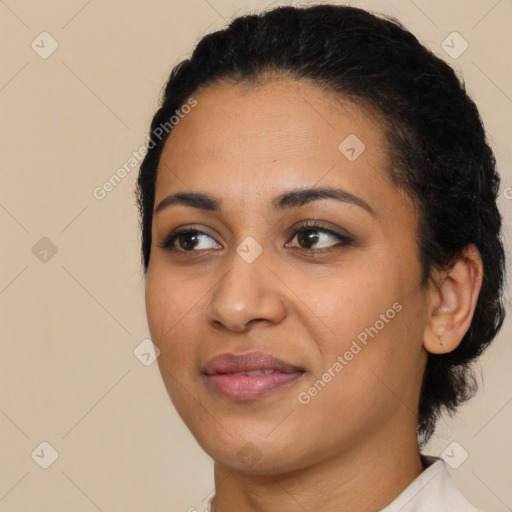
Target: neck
[(363, 479)]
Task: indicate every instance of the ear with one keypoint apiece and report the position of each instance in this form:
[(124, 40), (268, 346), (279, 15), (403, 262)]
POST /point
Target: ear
[(452, 300)]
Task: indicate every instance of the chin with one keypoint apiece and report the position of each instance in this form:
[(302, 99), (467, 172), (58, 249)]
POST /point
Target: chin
[(251, 452)]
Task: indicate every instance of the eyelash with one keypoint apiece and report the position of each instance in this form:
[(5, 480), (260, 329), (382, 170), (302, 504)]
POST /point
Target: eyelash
[(168, 242)]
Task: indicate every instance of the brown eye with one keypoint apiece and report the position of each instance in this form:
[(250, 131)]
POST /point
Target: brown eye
[(309, 235), (307, 238), (188, 240)]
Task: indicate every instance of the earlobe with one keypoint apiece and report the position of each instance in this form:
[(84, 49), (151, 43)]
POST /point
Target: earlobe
[(453, 295)]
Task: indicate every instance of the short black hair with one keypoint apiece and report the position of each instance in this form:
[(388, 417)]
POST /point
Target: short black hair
[(434, 133)]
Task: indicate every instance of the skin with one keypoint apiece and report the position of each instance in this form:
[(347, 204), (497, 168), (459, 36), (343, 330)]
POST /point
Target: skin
[(245, 145)]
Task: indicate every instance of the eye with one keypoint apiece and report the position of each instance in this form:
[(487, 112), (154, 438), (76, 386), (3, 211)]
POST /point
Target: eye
[(312, 233), (308, 235), (188, 240)]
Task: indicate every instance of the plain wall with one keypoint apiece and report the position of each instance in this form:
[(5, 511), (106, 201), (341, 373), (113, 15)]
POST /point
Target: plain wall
[(70, 321)]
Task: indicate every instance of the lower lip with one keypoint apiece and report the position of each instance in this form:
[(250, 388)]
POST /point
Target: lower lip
[(250, 387)]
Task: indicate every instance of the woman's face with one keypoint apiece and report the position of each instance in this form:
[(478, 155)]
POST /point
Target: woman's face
[(340, 303)]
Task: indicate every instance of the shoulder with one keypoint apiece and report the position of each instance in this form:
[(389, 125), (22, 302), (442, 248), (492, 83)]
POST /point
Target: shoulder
[(434, 489)]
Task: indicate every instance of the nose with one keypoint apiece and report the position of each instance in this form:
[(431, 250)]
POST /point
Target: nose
[(247, 293)]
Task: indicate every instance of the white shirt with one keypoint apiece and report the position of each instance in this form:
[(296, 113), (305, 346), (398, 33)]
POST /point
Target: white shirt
[(432, 491)]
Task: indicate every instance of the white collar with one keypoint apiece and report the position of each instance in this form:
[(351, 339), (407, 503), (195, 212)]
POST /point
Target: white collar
[(432, 491)]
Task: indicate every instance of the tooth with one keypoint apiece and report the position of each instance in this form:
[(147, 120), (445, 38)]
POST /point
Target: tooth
[(252, 372)]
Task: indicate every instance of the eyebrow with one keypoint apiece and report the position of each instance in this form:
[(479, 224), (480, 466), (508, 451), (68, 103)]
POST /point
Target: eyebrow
[(287, 200)]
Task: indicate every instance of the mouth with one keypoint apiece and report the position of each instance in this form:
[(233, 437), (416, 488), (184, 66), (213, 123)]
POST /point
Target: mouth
[(243, 377)]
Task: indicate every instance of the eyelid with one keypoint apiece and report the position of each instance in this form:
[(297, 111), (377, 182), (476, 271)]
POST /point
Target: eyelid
[(320, 226)]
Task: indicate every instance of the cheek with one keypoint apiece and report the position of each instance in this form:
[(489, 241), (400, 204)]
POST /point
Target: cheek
[(374, 319), (379, 370), (172, 306), (347, 302), (389, 363)]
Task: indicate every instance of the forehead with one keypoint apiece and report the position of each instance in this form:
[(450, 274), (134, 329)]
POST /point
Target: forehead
[(273, 136)]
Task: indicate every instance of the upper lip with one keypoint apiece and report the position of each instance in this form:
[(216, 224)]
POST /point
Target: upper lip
[(236, 363)]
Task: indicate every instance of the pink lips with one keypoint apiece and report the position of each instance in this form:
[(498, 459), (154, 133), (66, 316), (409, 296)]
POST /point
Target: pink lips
[(227, 375)]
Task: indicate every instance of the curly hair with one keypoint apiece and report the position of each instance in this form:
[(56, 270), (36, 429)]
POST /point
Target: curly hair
[(435, 138)]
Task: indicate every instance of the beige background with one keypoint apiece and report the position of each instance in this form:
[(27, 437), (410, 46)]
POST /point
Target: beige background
[(70, 324)]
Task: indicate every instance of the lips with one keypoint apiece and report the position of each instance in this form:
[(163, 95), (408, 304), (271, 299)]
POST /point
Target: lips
[(249, 376), (249, 362)]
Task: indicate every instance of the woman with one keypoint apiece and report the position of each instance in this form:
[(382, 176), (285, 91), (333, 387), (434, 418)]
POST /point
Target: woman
[(321, 245)]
